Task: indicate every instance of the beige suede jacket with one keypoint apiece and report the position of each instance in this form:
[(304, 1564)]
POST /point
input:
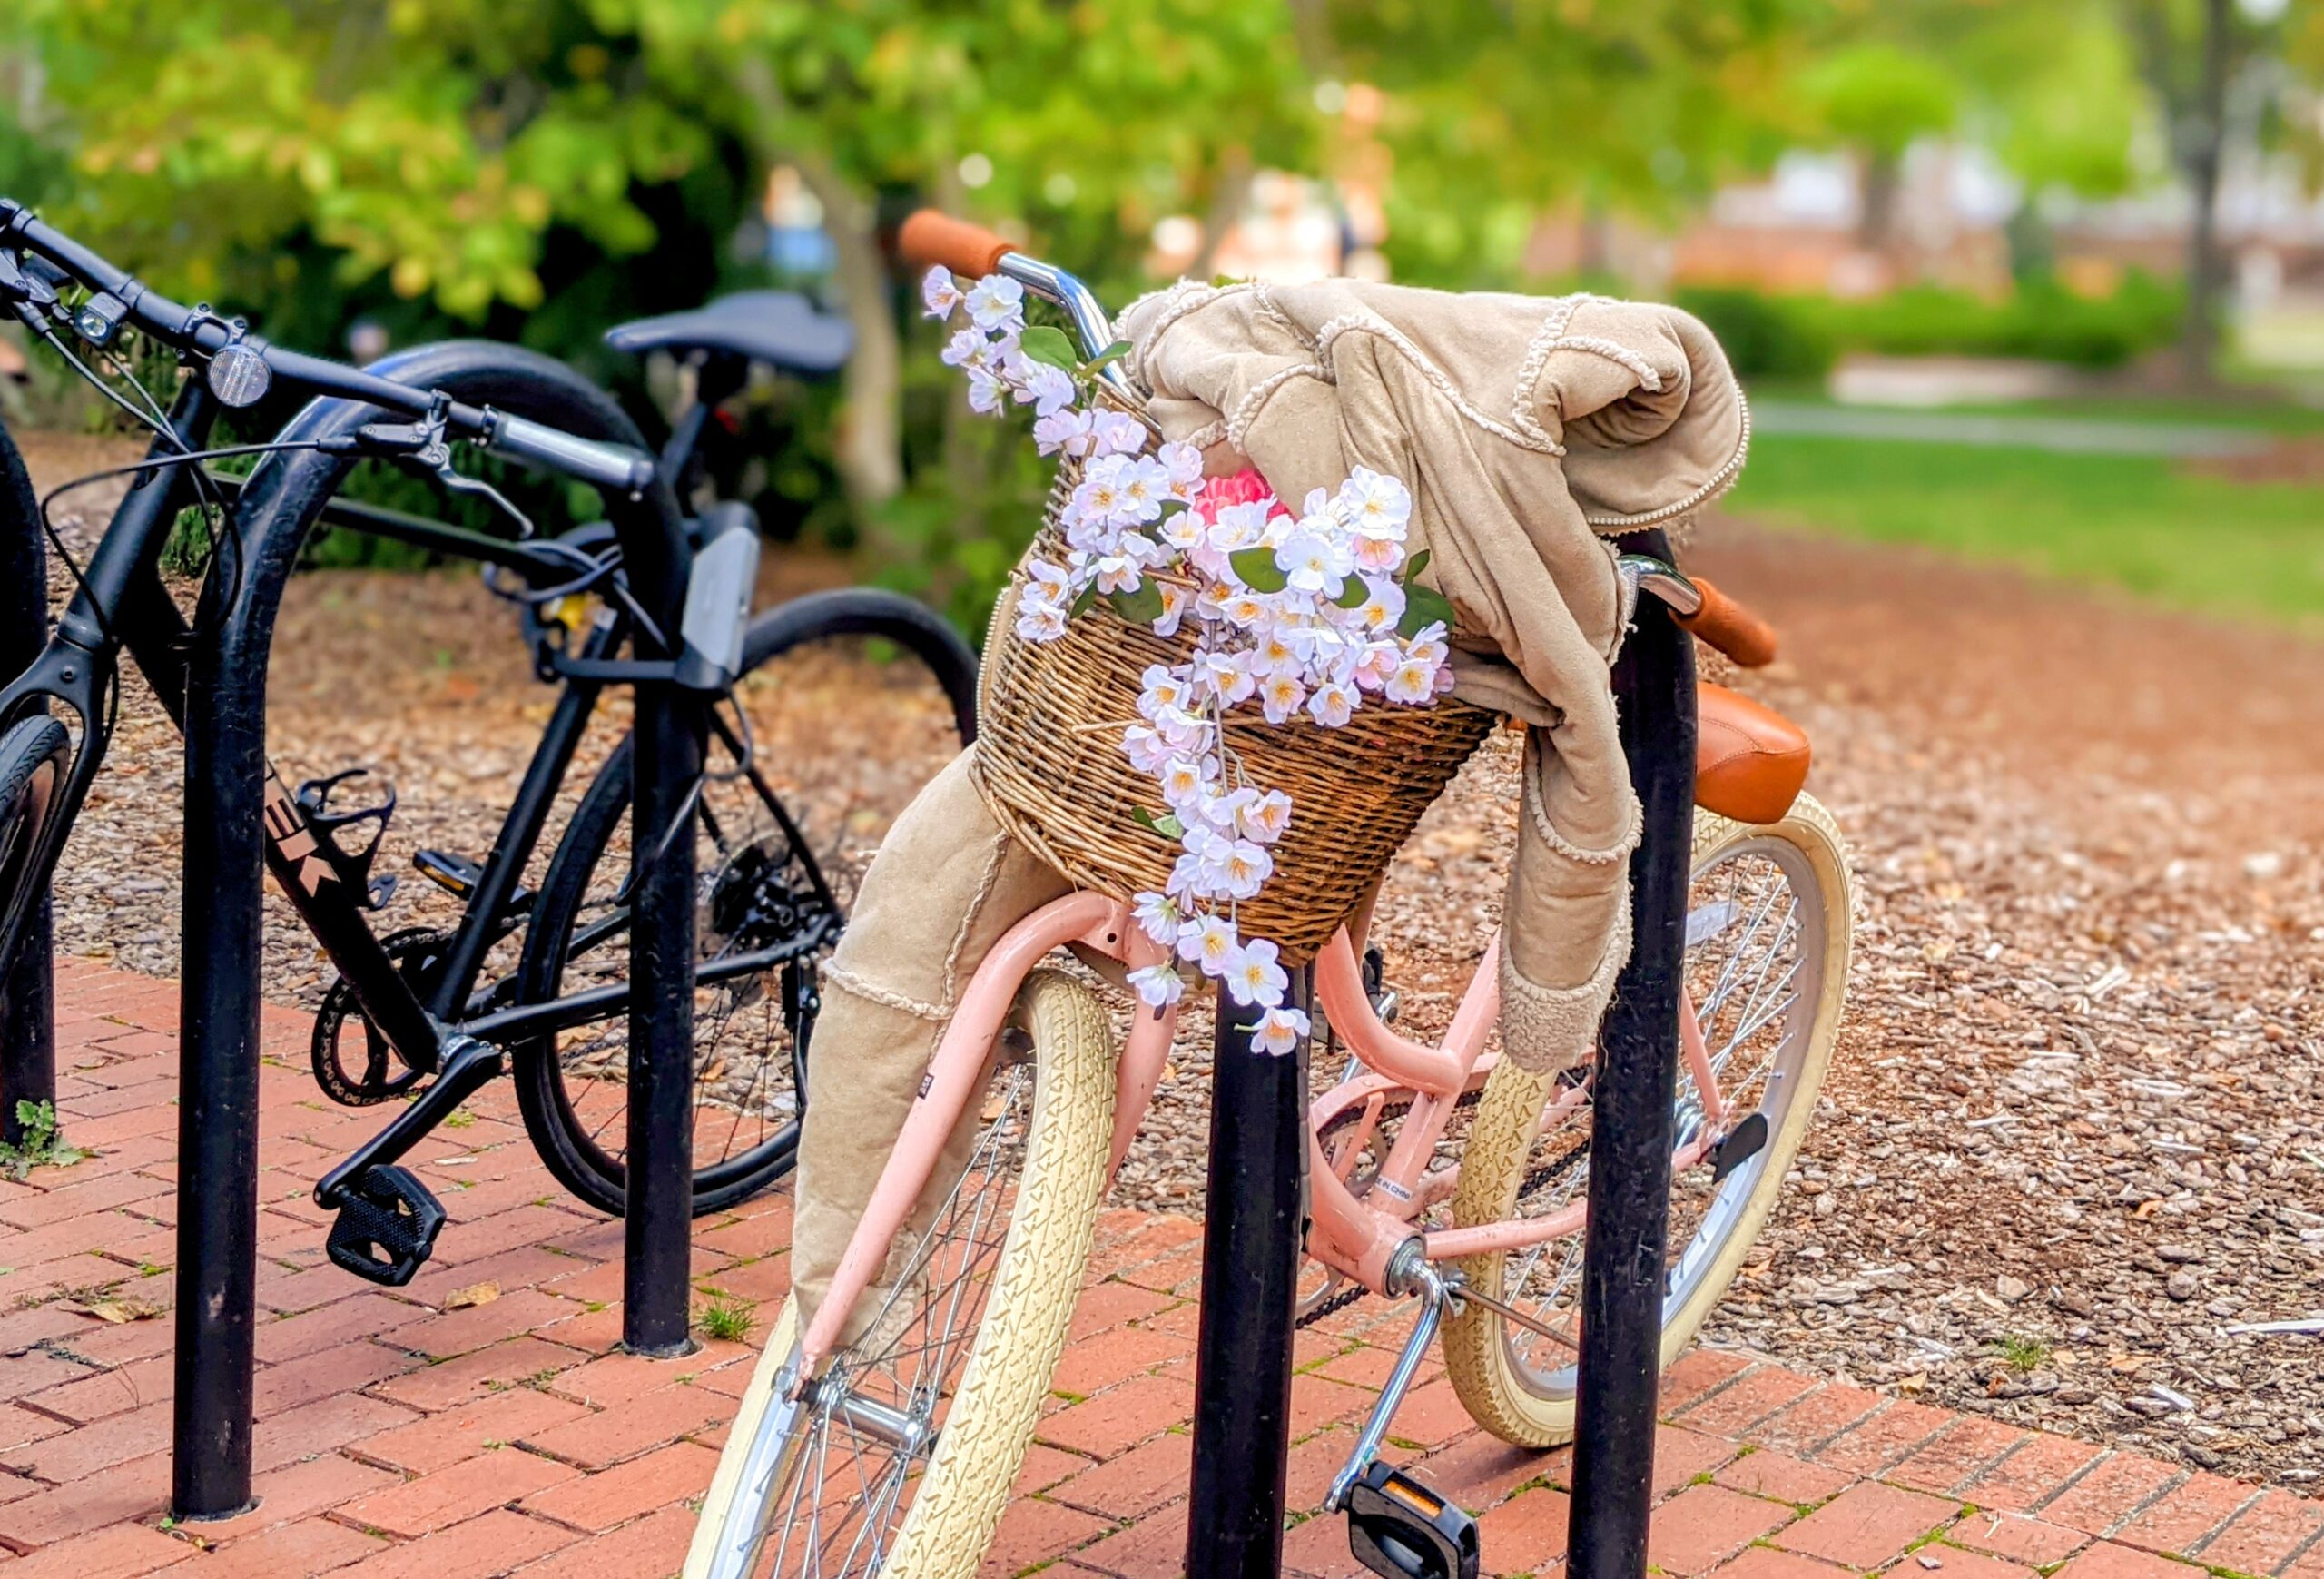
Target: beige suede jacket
[(1530, 430)]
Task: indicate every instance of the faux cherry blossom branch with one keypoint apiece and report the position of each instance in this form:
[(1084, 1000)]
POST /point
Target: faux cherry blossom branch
[(1314, 611)]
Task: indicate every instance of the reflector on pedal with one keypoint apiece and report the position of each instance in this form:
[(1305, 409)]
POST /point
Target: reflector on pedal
[(1398, 1527)]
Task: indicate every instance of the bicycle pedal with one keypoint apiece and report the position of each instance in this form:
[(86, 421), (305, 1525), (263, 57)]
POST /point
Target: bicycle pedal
[(1742, 1143), (387, 1227), (1398, 1527)]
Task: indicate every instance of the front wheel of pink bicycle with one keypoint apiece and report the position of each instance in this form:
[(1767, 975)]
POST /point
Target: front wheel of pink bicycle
[(1767, 965)]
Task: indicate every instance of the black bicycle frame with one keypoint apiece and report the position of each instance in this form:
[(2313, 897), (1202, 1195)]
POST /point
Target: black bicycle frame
[(121, 603)]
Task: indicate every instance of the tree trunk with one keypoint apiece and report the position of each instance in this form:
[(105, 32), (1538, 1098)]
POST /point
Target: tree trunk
[(870, 455), (2202, 147), (1882, 178)]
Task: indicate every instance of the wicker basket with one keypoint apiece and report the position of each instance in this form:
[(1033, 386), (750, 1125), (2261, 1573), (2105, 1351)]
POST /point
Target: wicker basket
[(1049, 764)]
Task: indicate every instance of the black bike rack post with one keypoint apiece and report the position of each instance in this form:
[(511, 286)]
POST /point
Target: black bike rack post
[(28, 997), (225, 738), (657, 1214), (1250, 1268), (1255, 1206), (1630, 1128)]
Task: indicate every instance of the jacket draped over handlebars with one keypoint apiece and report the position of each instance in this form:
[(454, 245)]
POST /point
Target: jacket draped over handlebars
[(1530, 431)]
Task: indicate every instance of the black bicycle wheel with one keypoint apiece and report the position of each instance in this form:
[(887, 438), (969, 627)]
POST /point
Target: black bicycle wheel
[(35, 754), (853, 700)]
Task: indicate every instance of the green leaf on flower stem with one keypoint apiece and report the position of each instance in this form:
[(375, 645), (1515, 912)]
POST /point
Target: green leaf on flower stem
[(1043, 343), (1081, 603), (1353, 592), (1166, 824), (1424, 606), (1415, 565), (1113, 352), (1258, 571), (1141, 605)]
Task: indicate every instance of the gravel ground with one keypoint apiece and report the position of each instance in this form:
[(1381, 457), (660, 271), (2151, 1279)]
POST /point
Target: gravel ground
[(2072, 1130)]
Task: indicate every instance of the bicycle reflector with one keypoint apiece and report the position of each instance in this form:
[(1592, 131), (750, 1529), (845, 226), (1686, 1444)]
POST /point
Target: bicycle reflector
[(1398, 1527)]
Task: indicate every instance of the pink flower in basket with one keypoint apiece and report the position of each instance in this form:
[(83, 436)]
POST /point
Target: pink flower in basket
[(1247, 486)]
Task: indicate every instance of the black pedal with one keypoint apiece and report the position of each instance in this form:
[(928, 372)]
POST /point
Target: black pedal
[(353, 866), (387, 1227), (1397, 1527)]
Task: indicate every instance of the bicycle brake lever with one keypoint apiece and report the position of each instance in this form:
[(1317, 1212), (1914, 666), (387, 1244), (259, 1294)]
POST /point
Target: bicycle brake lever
[(458, 483)]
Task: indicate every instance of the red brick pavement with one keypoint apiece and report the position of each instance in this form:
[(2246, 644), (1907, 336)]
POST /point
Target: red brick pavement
[(397, 1436)]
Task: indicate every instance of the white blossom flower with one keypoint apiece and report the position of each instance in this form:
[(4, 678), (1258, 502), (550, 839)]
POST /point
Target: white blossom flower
[(997, 301), (941, 292), (1253, 977), (1113, 432), (1174, 599), (1186, 780), (1183, 530), (1264, 817), (1158, 986), (1144, 486), (1280, 695), (1379, 555), (1414, 680), (1278, 1030), (1383, 605), (1145, 748), (1158, 688), (1235, 867), (1376, 662), (1332, 704), (1099, 497), (1066, 431), (968, 347), (1182, 464), (1428, 644), (1238, 527), (984, 391), (1118, 573), (1157, 914), (1226, 676), (1038, 619), (1047, 389), (1315, 561), (1375, 504), (1210, 941)]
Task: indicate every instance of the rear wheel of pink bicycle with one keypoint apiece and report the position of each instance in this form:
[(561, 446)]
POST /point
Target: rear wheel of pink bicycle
[(1767, 933)]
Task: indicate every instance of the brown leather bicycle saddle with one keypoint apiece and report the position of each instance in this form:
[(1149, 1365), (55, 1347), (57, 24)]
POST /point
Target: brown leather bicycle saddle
[(1750, 761)]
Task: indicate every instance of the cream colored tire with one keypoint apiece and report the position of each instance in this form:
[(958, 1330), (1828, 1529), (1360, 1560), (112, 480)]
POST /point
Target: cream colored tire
[(957, 1502), (1522, 1404)]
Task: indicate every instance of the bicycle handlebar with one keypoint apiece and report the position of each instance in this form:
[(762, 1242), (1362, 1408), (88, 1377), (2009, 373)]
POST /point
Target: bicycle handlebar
[(932, 240), (196, 331), (1730, 627)]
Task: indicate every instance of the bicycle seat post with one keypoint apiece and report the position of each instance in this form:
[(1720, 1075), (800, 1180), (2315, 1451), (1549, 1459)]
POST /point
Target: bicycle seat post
[(1250, 1265)]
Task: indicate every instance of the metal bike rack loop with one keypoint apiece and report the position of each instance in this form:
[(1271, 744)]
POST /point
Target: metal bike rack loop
[(1256, 1201), (225, 738), (28, 997)]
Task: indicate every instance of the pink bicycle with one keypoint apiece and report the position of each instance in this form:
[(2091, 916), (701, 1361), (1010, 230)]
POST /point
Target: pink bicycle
[(1439, 1173)]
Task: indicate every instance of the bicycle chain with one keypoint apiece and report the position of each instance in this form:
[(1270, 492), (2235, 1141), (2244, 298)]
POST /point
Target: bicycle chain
[(339, 1005)]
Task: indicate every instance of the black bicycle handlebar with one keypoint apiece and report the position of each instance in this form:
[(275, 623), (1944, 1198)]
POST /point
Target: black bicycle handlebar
[(197, 332)]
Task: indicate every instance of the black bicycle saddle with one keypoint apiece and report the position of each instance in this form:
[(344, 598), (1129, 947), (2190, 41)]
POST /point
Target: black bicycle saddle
[(779, 328)]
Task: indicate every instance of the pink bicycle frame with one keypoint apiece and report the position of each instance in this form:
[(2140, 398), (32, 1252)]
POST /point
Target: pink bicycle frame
[(1352, 1236)]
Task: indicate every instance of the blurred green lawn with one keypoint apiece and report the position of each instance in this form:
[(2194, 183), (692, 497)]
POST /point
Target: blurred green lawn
[(2152, 526)]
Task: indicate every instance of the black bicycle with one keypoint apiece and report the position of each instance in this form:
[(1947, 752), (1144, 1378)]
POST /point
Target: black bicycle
[(435, 1014)]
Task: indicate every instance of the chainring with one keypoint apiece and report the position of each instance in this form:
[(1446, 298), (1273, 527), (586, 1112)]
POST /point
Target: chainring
[(417, 953)]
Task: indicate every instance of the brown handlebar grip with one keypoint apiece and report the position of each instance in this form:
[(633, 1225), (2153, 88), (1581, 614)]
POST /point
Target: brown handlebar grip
[(1730, 627), (930, 238)]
